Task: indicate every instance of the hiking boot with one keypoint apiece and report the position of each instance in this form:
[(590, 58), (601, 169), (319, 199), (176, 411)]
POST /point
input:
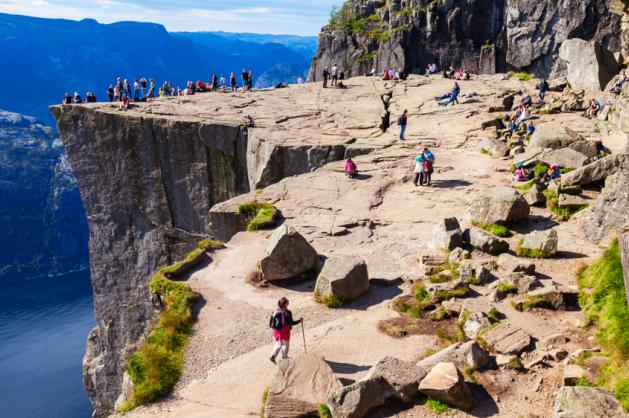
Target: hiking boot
[(272, 358)]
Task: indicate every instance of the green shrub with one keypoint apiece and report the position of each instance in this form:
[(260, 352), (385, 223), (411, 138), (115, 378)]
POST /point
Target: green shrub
[(521, 76), (324, 411), (561, 213), (540, 169), (157, 365), (497, 230), (525, 187), (442, 295), (436, 406), (421, 293), (332, 302), (507, 287), (621, 392), (440, 278), (261, 215)]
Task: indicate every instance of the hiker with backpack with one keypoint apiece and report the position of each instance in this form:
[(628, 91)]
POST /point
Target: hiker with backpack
[(401, 121), (543, 88), (282, 322)]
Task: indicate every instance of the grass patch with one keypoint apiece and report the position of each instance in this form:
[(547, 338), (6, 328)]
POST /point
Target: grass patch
[(526, 186), (497, 230), (531, 252), (324, 411), (485, 151), (439, 314), (442, 295), (522, 76), (515, 363), (602, 298), (265, 397), (547, 111), (261, 215), (532, 302), (156, 367), (583, 356), (469, 374), (561, 213), (436, 406), (440, 278), (584, 381), (507, 287), (494, 315), (540, 169), (332, 302)]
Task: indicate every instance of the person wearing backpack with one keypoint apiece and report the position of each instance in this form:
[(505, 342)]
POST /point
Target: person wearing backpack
[(282, 322), (401, 121)]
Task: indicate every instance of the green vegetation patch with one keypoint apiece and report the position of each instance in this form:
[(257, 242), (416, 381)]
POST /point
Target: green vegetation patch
[(540, 169), (547, 111), (332, 302), (525, 187), (497, 230), (494, 315), (522, 76), (261, 215), (442, 295), (485, 151), (265, 397), (603, 300), (437, 406), (507, 287), (531, 252), (532, 302), (561, 213), (324, 411), (156, 367)]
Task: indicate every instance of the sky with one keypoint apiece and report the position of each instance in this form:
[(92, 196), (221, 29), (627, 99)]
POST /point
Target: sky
[(298, 17)]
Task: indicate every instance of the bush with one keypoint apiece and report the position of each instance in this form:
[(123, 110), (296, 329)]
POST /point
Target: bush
[(526, 186), (507, 287), (494, 315), (497, 230), (436, 406), (324, 411), (261, 215)]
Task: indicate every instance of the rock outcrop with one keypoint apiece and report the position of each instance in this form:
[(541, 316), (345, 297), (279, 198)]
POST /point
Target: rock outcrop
[(611, 208), (446, 383), (343, 277), (499, 205), (590, 66), (586, 402), (483, 36), (289, 255)]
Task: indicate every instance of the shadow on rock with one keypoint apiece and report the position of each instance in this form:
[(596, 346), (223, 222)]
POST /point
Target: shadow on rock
[(484, 404), (346, 368), (446, 184), (534, 223), (375, 296)]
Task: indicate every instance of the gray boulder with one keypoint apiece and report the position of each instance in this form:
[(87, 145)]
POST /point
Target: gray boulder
[(590, 65), (499, 205), (494, 147), (535, 195), (557, 84), (457, 255), (563, 157), (473, 271), (611, 208), (551, 294), (553, 135), (402, 376), (485, 241), (474, 324), (539, 244), (344, 277), (463, 355), (587, 148), (570, 201), (446, 383), (514, 264), (595, 171), (447, 234), (507, 338), (289, 255), (299, 385), (522, 281), (586, 402)]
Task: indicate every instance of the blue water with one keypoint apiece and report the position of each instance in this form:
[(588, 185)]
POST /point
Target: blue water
[(43, 328)]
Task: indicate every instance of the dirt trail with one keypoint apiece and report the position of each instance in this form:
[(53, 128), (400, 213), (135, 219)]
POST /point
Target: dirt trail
[(389, 223)]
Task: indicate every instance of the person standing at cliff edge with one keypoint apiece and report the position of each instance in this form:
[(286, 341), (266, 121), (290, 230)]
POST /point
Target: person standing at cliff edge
[(335, 75), (282, 322), (325, 75), (401, 121)]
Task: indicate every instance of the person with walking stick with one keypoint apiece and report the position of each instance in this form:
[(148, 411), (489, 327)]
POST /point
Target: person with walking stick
[(282, 323)]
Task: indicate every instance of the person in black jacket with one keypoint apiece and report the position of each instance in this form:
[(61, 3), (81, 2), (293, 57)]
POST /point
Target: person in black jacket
[(282, 322), (325, 75)]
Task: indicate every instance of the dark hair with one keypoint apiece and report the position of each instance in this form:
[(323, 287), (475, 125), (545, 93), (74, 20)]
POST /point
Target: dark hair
[(282, 303)]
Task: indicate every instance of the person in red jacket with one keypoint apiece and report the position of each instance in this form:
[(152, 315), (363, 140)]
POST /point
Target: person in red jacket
[(282, 322)]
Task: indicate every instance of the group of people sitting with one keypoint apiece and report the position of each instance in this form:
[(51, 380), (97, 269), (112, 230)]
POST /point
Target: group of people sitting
[(76, 99), (453, 74), (518, 122), (431, 69), (451, 97), (522, 173)]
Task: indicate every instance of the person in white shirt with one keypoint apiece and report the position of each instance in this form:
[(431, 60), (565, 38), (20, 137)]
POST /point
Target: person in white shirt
[(335, 75)]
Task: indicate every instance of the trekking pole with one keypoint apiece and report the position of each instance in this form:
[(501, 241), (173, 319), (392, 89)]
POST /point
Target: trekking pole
[(303, 334)]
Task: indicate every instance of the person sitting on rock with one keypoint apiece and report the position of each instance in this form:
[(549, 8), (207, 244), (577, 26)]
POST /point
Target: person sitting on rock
[(282, 323), (452, 97), (124, 105), (373, 72), (351, 170), (526, 101), (519, 174), (90, 98), (593, 109), (67, 99), (77, 98), (524, 114), (621, 79)]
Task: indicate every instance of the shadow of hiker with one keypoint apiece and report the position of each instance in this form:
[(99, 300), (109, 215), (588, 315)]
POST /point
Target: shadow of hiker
[(346, 368), (444, 184), (362, 176)]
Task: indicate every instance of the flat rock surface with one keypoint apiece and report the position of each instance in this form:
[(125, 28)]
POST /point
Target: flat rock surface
[(507, 338)]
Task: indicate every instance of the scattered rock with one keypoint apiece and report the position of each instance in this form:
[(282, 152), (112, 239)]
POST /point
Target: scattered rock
[(570, 201), (452, 306), (446, 383), (344, 277), (586, 402), (558, 354), (524, 282), (432, 262), (539, 244), (402, 376), (557, 84), (504, 359), (473, 272), (595, 171), (507, 338), (553, 340), (572, 373), (485, 241), (447, 234), (572, 190), (463, 355), (590, 65), (563, 157), (514, 264), (474, 324), (289, 255), (499, 205), (553, 135), (550, 294), (494, 147), (299, 385), (458, 255), (535, 195)]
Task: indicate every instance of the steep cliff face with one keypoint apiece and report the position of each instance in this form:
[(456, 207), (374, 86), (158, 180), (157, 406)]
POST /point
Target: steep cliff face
[(41, 215), (147, 185), (480, 35)]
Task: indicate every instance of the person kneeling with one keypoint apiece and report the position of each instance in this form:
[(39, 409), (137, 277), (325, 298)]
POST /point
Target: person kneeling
[(351, 170)]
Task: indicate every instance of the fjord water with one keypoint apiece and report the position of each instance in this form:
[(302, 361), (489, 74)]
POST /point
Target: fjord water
[(43, 328)]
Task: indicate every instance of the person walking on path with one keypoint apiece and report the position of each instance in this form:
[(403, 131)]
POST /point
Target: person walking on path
[(282, 322), (325, 75), (402, 123)]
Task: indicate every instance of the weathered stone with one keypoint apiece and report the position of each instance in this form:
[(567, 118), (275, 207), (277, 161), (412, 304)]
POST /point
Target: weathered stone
[(431, 262), (557, 84), (609, 214), (447, 234), (543, 243), (457, 255), (432, 288), (485, 241), (452, 306), (299, 385), (517, 149), (572, 373), (570, 201), (523, 281), (513, 264), (595, 171), (402, 376), (289, 255), (225, 219), (474, 324), (590, 65), (572, 190), (558, 354), (535, 195), (587, 148), (473, 271), (344, 277), (553, 135), (446, 383), (494, 147), (504, 359), (586, 402), (553, 341), (507, 338), (563, 157), (550, 294), (499, 205), (463, 355)]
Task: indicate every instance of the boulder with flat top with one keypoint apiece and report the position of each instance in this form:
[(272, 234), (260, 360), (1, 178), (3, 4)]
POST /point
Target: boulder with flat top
[(553, 135), (344, 277), (499, 205), (288, 255), (445, 382)]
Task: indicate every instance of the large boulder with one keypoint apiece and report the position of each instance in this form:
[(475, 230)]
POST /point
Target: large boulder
[(590, 65), (553, 135), (485, 241), (446, 383), (563, 157), (507, 338), (586, 402), (447, 234), (499, 205), (463, 355), (289, 255), (344, 277), (611, 208), (299, 385), (539, 244), (389, 378), (595, 171), (587, 148), (494, 147), (535, 195)]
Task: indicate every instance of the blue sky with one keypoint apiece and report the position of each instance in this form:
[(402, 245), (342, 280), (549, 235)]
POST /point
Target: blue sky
[(271, 16)]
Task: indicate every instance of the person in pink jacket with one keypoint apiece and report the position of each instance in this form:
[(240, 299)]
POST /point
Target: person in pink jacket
[(282, 322), (350, 168)]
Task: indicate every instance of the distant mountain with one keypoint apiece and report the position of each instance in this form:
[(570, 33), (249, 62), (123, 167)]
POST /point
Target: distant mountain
[(44, 58)]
